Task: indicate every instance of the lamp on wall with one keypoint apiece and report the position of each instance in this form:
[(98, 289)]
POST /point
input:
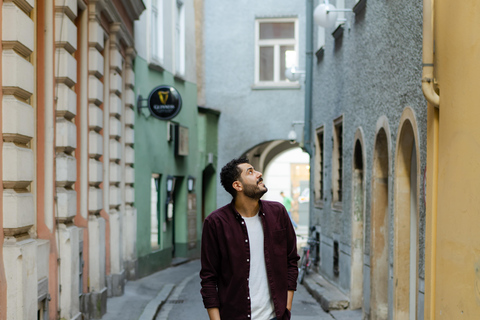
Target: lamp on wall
[(293, 74), (292, 135), (325, 14), (170, 183), (190, 183)]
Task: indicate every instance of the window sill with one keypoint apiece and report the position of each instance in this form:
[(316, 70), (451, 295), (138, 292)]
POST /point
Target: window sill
[(276, 86), (320, 52), (319, 204), (359, 6), (179, 77), (155, 65), (337, 206), (338, 32)]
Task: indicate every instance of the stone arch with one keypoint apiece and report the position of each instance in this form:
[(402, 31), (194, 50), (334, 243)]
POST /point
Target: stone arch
[(406, 218), (379, 223), (358, 218), (262, 154)]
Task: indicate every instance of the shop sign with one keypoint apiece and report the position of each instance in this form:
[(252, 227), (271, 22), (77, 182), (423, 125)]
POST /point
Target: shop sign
[(164, 102)]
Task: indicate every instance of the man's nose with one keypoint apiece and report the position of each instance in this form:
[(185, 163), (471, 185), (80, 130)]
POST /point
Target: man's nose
[(259, 174)]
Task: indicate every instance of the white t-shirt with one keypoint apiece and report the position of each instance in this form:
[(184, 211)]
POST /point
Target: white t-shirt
[(260, 298)]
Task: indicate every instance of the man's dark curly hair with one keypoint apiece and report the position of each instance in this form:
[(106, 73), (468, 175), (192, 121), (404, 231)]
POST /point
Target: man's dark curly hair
[(230, 173)]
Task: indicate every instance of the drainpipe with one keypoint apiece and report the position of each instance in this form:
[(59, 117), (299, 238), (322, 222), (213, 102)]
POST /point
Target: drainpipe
[(308, 79), (427, 73)]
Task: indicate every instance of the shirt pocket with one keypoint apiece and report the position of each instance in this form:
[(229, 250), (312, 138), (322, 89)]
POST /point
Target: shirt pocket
[(279, 238)]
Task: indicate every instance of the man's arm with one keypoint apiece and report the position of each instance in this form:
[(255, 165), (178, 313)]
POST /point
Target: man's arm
[(214, 313), (210, 261), (292, 256), (289, 300)]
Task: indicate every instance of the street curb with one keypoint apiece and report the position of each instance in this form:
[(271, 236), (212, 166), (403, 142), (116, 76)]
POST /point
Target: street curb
[(327, 295), (156, 303)]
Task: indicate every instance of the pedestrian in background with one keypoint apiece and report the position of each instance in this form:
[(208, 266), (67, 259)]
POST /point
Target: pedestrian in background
[(249, 252), (287, 202)]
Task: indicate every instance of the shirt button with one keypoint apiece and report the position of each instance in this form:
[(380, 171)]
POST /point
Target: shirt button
[(246, 240), (248, 260), (243, 222), (249, 316), (248, 298)]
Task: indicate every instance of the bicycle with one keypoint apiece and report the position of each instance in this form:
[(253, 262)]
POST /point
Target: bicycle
[(309, 257)]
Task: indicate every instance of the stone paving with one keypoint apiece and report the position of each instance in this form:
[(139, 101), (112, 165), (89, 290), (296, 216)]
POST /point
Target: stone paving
[(174, 294)]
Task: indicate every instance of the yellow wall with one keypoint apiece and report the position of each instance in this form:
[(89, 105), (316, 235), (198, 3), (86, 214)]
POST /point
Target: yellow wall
[(453, 200)]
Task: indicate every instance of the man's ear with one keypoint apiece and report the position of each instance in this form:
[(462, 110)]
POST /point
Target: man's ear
[(237, 185)]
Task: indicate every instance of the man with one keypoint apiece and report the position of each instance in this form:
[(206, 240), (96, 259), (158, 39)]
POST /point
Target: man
[(249, 252), (287, 203)]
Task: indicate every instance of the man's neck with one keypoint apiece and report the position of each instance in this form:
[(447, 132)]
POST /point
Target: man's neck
[(247, 207)]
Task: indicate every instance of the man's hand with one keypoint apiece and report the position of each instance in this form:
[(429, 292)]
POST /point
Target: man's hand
[(289, 300), (214, 313)]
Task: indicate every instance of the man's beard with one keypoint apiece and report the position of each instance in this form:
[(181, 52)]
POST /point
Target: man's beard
[(254, 191)]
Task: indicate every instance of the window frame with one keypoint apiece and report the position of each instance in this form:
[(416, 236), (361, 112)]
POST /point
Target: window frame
[(157, 37), (276, 43), (179, 36), (319, 166), (337, 164), (155, 213)]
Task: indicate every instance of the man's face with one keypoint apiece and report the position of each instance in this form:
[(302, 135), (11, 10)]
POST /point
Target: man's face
[(252, 181)]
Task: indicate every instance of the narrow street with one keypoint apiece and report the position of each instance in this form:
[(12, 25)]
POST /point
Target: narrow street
[(174, 293)]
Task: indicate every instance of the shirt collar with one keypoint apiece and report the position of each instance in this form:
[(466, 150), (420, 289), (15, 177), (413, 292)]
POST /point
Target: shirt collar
[(238, 216)]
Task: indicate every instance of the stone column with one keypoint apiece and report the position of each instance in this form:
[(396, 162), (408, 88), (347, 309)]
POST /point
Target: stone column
[(96, 224), (116, 279), (19, 249), (130, 213), (66, 166)]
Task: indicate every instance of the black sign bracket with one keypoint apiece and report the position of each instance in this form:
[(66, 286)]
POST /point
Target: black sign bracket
[(140, 103)]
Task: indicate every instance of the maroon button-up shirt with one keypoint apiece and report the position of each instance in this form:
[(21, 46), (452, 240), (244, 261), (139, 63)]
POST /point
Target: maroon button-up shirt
[(226, 260)]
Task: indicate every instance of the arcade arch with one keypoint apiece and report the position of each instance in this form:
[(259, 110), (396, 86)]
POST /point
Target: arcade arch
[(406, 217), (358, 218), (379, 224)]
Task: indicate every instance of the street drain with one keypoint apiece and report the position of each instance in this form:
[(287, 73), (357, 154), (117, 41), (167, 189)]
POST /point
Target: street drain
[(175, 301)]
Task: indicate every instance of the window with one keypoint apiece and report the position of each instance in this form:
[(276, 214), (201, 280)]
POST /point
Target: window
[(157, 31), (337, 162), (319, 152), (340, 15), (336, 255), (154, 210), (180, 38), (276, 49)]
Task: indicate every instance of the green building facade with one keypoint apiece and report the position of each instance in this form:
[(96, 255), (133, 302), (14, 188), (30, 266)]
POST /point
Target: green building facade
[(175, 185)]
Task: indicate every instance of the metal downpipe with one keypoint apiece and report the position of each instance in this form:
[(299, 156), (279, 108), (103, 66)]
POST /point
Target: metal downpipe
[(308, 79), (427, 71)]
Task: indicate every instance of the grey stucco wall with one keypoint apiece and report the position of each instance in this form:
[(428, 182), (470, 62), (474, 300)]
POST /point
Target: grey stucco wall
[(373, 70), (248, 116)]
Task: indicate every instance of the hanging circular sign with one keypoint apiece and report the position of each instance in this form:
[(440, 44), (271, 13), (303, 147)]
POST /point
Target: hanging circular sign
[(164, 102)]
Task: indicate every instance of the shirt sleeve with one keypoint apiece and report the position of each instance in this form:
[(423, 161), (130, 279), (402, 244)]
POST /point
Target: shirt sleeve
[(210, 260), (292, 255)]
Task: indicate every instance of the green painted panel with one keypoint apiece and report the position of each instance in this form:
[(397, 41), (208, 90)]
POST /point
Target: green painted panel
[(155, 154)]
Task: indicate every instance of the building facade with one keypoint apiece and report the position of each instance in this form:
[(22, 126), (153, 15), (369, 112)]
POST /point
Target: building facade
[(369, 120), (244, 51), (67, 156), (175, 156), (451, 58)]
